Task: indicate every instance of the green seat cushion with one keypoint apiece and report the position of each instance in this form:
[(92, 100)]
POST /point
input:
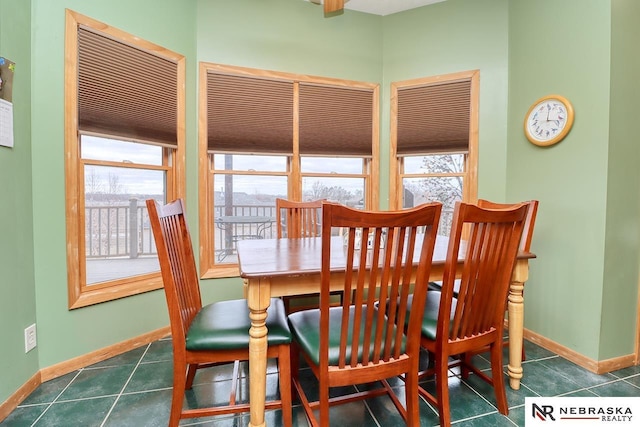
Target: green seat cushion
[(225, 325), (305, 328), (430, 316), (437, 286)]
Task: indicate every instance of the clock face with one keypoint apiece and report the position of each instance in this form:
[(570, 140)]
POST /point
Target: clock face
[(548, 120)]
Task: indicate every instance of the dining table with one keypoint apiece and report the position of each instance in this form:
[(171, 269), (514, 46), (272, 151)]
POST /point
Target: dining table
[(285, 267)]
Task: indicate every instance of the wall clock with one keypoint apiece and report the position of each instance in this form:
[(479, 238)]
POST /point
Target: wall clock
[(548, 120)]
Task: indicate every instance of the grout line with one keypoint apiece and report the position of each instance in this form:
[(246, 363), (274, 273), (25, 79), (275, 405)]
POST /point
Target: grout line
[(125, 385), (631, 384), (56, 398), (366, 405)]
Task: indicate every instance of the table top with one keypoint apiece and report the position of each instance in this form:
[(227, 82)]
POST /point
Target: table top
[(282, 257)]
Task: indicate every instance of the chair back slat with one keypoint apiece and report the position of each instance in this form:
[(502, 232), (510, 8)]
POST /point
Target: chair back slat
[(381, 250), (529, 223), (490, 252), (298, 219), (178, 266)]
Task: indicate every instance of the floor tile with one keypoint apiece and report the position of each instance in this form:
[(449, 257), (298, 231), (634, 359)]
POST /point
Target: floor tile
[(484, 389), (619, 388), (158, 351), (96, 382), (627, 372), (463, 401), (151, 376), (24, 416), (535, 352), (84, 412), (48, 391), (580, 393), (94, 395), (635, 380), (489, 420), (575, 373), (386, 414), (149, 409), (545, 381), (131, 357), (516, 415)]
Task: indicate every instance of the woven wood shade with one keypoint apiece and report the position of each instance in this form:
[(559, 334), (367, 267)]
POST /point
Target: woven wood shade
[(126, 92), (434, 118), (335, 121), (248, 114)]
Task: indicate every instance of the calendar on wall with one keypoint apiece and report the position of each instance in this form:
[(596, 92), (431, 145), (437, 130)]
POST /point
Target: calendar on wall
[(7, 69)]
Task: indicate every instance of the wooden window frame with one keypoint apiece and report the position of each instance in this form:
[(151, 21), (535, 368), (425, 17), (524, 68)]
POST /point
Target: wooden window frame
[(370, 168), (396, 166), (79, 294)]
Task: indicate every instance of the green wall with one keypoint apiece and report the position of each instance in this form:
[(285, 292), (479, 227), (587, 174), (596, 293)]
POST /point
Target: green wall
[(291, 36), (564, 296), (585, 276), (449, 37), (620, 286), (17, 284), (64, 334)]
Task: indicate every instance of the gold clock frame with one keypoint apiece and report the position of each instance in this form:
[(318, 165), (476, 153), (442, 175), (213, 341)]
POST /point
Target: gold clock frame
[(559, 137)]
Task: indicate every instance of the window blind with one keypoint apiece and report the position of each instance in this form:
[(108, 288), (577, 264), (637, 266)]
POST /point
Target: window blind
[(434, 118), (126, 92), (335, 120), (249, 114)]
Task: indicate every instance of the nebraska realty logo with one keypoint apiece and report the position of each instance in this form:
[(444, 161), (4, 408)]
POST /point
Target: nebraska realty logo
[(582, 411)]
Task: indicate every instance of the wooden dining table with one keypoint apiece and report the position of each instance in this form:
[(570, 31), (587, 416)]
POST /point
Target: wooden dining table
[(281, 267)]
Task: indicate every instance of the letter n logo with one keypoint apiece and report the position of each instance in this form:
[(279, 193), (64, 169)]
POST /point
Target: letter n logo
[(542, 412)]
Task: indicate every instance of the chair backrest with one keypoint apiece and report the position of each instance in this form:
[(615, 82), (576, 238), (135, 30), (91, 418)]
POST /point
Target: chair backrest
[(298, 219), (490, 253), (177, 264), (532, 211), (382, 250)]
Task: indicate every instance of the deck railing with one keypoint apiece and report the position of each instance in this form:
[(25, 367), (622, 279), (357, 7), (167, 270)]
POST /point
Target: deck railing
[(122, 230), (119, 230)]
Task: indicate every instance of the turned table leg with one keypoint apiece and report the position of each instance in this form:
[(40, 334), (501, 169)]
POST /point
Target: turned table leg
[(258, 298), (516, 322)]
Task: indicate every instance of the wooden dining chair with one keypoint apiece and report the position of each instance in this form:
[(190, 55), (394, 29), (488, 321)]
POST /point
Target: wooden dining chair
[(525, 240), (297, 220), (203, 336), (475, 318), (360, 341)]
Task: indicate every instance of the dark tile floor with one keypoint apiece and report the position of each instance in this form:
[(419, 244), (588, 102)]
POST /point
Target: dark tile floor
[(134, 389)]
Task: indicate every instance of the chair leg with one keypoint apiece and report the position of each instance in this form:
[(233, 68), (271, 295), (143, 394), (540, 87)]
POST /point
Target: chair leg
[(191, 374), (442, 390), (324, 405), (284, 377), (294, 361), (412, 398), (287, 304), (465, 362), (497, 377), (177, 396)]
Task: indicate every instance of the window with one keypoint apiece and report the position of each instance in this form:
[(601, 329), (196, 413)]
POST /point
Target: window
[(434, 147), (124, 143), (267, 135)]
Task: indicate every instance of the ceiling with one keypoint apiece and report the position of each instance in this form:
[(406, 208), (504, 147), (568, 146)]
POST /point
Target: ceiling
[(384, 7)]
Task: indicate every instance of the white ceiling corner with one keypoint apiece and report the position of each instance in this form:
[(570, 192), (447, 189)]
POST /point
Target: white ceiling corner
[(384, 7)]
